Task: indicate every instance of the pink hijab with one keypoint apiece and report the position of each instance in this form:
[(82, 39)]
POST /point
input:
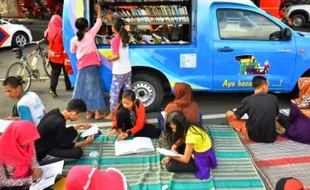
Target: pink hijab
[(87, 178), (12, 153), (54, 27)]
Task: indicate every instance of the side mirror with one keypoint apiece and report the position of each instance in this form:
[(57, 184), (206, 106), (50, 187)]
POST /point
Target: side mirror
[(286, 34)]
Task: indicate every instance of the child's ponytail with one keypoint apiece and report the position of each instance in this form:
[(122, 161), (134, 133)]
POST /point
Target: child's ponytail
[(124, 36), (81, 24), (119, 26), (80, 35)]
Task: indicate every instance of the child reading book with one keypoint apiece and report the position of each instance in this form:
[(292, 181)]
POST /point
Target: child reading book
[(198, 156), (129, 119), (121, 68)]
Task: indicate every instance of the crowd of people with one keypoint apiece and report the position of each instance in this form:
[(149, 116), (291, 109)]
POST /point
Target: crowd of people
[(38, 137)]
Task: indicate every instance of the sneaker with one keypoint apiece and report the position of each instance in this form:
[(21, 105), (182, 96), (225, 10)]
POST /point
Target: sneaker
[(53, 94), (70, 89)]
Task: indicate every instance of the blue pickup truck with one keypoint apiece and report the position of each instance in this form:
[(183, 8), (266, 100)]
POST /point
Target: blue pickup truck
[(225, 43)]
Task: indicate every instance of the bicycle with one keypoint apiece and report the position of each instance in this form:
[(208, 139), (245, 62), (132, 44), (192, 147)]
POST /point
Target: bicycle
[(26, 71)]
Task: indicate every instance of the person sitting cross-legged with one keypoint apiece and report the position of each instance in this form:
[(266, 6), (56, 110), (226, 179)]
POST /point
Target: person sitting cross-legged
[(56, 139), (130, 119), (263, 111)]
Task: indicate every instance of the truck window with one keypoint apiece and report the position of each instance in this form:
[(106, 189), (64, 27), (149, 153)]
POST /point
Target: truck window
[(149, 22), (235, 24)]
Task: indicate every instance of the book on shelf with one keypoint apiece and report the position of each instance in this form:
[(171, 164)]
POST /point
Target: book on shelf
[(152, 14), (140, 1)]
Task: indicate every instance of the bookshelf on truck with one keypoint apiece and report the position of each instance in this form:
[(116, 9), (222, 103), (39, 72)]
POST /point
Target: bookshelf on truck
[(214, 45)]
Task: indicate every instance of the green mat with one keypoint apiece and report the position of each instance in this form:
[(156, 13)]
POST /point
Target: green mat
[(144, 171)]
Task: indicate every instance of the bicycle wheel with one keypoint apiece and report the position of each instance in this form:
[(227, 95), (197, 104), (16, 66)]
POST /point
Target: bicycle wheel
[(46, 65), (18, 69)]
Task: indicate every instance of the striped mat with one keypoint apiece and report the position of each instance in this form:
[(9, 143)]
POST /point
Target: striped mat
[(284, 158), (144, 171)]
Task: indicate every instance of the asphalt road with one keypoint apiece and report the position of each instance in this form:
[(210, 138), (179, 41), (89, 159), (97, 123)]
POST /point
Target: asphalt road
[(209, 103)]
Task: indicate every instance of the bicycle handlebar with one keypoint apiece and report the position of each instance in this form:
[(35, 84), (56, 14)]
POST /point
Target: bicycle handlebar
[(37, 42)]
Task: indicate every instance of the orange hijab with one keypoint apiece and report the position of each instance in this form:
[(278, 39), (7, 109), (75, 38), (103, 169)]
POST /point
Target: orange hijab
[(303, 102), (184, 101)]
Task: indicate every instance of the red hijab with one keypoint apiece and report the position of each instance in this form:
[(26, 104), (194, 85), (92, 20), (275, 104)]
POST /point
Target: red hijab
[(12, 153), (87, 178), (54, 27), (184, 101)]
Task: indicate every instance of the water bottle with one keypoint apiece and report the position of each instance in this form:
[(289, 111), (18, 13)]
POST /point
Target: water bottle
[(95, 156), (34, 62)]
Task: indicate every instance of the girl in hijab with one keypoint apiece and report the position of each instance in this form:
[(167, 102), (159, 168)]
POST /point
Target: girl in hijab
[(18, 164), (86, 178), (53, 34), (298, 122), (184, 101)]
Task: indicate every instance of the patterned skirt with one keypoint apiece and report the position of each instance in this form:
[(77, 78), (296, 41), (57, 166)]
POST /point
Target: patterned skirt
[(89, 87)]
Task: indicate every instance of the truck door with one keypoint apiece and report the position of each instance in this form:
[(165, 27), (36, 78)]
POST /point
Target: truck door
[(246, 44)]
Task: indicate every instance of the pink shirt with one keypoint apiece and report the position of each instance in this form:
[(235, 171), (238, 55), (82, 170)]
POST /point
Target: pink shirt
[(86, 49), (122, 65), (115, 43)]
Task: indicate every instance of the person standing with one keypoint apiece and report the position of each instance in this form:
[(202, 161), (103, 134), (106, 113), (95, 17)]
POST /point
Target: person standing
[(53, 34), (121, 68), (89, 86)]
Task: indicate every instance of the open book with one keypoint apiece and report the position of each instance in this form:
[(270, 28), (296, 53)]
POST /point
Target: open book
[(167, 152), (94, 130), (137, 145), (4, 124), (49, 174)]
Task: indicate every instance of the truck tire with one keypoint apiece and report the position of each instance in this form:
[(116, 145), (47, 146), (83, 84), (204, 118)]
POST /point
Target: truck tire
[(148, 89), (298, 20)]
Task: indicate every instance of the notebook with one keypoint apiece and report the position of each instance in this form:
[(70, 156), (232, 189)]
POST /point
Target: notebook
[(4, 124), (134, 146), (49, 174), (244, 117), (167, 152), (94, 130)]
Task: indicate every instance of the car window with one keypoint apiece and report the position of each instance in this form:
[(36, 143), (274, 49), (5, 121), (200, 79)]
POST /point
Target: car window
[(237, 24)]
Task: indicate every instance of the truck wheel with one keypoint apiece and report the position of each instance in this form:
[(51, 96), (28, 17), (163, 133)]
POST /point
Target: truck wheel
[(298, 20), (148, 89)]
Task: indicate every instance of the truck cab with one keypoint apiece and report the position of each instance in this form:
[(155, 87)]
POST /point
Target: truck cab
[(230, 41)]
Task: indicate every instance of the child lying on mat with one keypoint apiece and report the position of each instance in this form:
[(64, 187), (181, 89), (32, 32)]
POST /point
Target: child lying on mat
[(130, 120), (198, 156), (262, 109)]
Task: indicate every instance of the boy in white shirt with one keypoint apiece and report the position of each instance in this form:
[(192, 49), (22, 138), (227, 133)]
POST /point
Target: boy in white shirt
[(29, 106)]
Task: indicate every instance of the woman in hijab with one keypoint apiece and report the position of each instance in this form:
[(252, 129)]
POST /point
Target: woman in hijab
[(298, 122), (18, 164), (53, 34), (184, 102), (86, 178)]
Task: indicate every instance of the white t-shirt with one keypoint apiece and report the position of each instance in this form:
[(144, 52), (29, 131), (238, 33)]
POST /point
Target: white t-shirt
[(31, 108), (122, 65)]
